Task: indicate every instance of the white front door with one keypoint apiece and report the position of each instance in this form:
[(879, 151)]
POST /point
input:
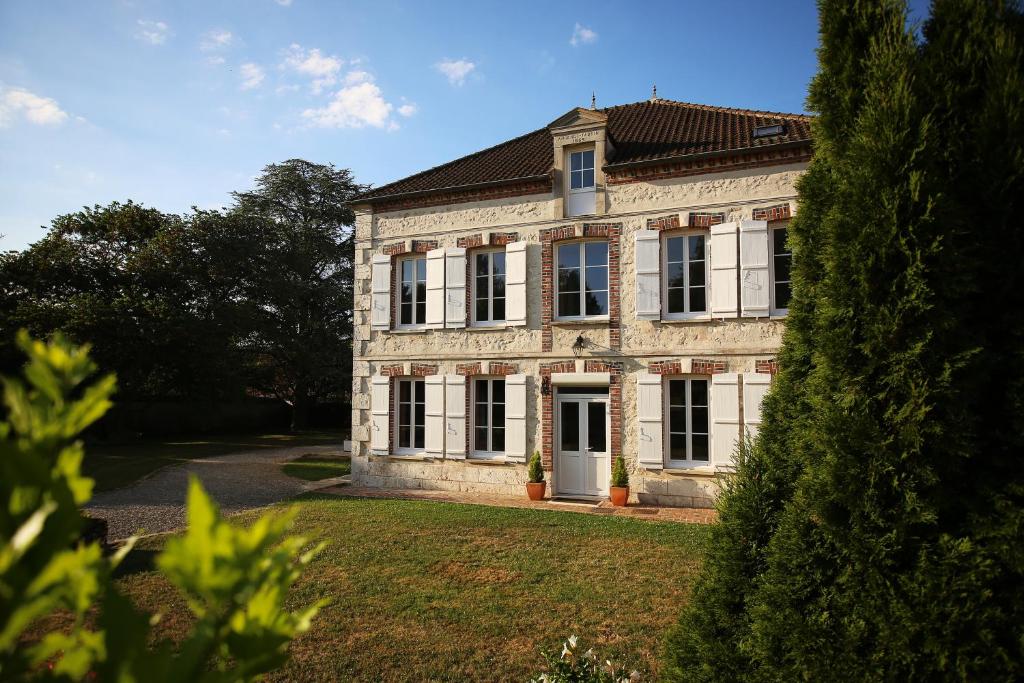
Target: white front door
[(582, 463)]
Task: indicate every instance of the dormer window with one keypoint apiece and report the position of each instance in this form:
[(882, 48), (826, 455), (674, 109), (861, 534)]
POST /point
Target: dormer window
[(581, 171), (769, 131)]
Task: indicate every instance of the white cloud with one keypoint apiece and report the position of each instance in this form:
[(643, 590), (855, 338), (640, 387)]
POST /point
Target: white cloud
[(455, 71), (408, 109), (322, 69), (283, 3), (354, 106), (153, 32), (216, 39), (41, 111), (581, 35), (252, 75), (356, 77)]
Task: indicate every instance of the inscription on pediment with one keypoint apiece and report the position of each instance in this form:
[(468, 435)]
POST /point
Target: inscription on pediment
[(577, 138)]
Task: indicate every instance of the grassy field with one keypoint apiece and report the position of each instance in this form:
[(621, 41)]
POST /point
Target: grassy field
[(114, 466), (436, 591), (314, 467)]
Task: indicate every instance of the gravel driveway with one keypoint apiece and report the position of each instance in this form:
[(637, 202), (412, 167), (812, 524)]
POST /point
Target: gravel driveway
[(237, 481)]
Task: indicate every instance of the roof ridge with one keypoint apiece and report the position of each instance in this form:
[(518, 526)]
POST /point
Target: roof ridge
[(710, 107), (455, 161)]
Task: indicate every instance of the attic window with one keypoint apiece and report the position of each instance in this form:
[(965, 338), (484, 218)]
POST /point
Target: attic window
[(768, 131)]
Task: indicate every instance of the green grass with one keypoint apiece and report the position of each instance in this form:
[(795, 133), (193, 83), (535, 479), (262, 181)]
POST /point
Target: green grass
[(115, 466), (435, 591), (314, 467)]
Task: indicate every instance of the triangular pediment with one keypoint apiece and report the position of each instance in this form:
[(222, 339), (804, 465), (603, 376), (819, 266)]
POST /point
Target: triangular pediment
[(579, 117)]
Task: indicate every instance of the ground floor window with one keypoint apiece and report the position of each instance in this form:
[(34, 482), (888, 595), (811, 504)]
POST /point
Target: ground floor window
[(687, 422), (411, 398), (488, 417)]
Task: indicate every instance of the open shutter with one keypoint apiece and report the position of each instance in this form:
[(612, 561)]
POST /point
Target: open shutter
[(380, 404), (723, 271), (754, 269), (380, 292), (755, 386), (650, 448), (433, 436), (725, 417), (515, 418), (455, 287), (435, 288), (515, 284), (648, 274), (455, 416)]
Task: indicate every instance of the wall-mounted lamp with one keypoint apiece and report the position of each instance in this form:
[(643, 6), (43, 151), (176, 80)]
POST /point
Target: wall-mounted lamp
[(577, 348)]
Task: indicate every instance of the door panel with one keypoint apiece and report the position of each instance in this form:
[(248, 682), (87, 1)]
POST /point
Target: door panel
[(597, 448), (582, 458), (570, 459)]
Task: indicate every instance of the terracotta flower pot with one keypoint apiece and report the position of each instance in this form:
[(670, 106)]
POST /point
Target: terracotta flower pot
[(619, 495), (535, 489)]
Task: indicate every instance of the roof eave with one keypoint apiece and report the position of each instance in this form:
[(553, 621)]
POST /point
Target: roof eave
[(704, 155), (453, 188)]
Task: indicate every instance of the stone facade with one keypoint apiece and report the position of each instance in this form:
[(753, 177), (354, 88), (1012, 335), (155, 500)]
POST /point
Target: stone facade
[(620, 346)]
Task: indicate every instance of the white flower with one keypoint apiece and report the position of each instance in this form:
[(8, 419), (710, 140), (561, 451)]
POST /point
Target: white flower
[(572, 641)]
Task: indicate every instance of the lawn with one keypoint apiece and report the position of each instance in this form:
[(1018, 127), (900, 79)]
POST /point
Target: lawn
[(114, 466), (314, 467), (436, 591)]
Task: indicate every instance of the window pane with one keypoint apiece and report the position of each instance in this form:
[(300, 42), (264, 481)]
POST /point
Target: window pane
[(677, 447), (406, 293), (779, 241), (697, 300), (569, 304), (596, 427), (699, 420), (419, 434), (674, 249), (569, 280), (697, 273), (676, 301), (480, 419), (406, 314), (498, 262), (696, 243), (404, 413), (575, 161), (482, 265), (421, 390), (498, 285), (421, 269), (481, 391), (677, 393), (418, 414), (404, 434), (782, 268), (498, 440), (569, 256), (481, 310), (675, 275), (588, 159), (407, 270), (597, 303), (499, 309), (597, 253), (677, 420), (575, 180), (588, 178), (700, 448), (597, 278), (404, 392), (498, 415), (699, 392), (481, 439), (421, 313), (498, 389), (782, 295), (570, 426)]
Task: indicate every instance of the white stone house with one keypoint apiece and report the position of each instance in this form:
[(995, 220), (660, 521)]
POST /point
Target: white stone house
[(613, 283)]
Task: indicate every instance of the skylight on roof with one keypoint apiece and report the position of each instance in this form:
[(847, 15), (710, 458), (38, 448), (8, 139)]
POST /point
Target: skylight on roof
[(768, 131)]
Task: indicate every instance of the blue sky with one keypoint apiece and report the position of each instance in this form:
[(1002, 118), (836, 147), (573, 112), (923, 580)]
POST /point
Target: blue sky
[(175, 104)]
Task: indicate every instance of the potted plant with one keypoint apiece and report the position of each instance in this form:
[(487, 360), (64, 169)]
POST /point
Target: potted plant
[(619, 490), (535, 485)]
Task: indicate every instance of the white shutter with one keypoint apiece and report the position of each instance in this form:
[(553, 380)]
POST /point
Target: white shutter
[(647, 259), (515, 284), (515, 418), (755, 386), (435, 288), (380, 411), (433, 436), (380, 292), (725, 417), (455, 416), (455, 287), (754, 269), (650, 448), (723, 271)]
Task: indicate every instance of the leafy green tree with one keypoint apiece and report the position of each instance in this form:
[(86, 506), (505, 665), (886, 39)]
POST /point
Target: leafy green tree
[(874, 531), (300, 279), (234, 580)]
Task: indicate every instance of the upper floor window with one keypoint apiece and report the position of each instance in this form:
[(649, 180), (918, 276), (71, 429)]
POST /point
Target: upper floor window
[(412, 305), (489, 287), (581, 170), (685, 279), (488, 417), (582, 280), (782, 258), (411, 424), (687, 423)]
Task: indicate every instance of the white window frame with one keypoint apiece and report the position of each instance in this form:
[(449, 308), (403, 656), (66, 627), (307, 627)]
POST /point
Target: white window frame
[(490, 283), (773, 310), (579, 244), (689, 463), (591, 168), (489, 454), (412, 381), (687, 315), (399, 263)]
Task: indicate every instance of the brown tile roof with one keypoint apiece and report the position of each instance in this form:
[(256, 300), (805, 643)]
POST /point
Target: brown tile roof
[(640, 132)]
